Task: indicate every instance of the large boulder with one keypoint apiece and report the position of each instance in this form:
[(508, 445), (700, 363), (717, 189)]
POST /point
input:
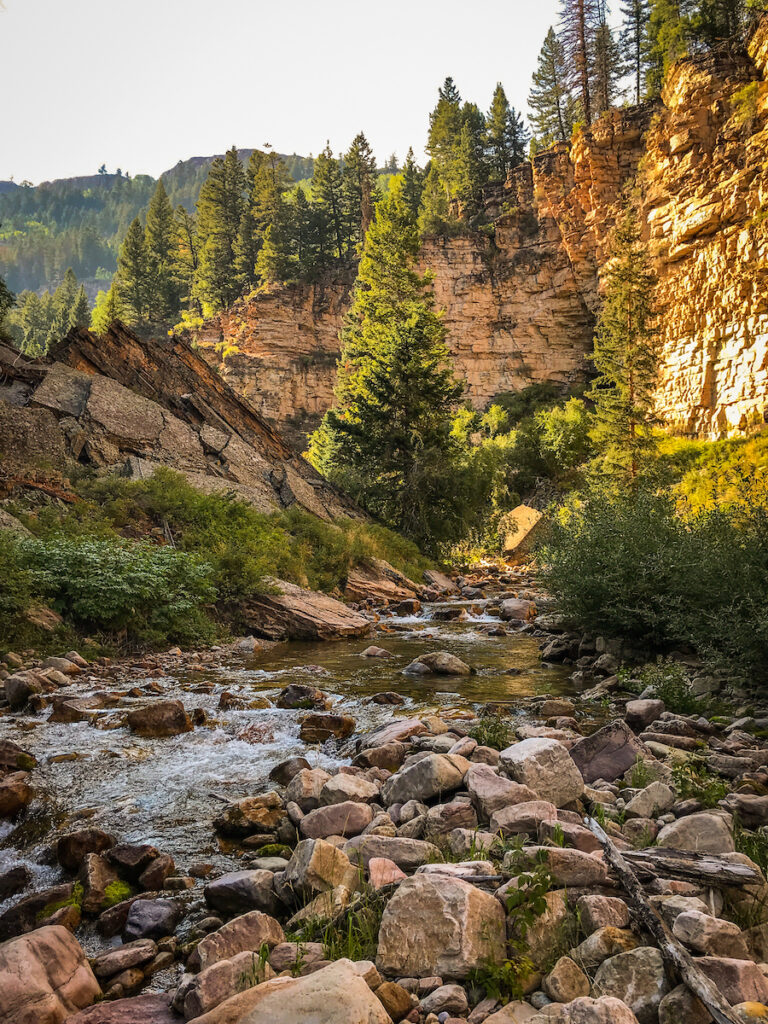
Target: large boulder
[(44, 978), (638, 979), (706, 934), (546, 767), (738, 981), (342, 787), (293, 613), (439, 925), (147, 1009), (440, 663), (376, 580), (434, 775), (407, 854), (336, 994), (344, 819), (699, 833), (251, 815), (650, 802), (72, 848), (247, 932), (608, 753), (199, 993), (15, 794), (316, 866), (523, 818), (163, 718), (584, 1010)]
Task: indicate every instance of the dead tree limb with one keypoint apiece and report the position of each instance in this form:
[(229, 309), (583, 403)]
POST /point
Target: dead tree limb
[(676, 956)]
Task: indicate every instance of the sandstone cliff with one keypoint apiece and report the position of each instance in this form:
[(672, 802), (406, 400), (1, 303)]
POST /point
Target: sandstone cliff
[(520, 309)]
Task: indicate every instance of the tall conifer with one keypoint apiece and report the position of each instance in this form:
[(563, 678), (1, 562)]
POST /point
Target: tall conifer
[(160, 240), (219, 213), (552, 106)]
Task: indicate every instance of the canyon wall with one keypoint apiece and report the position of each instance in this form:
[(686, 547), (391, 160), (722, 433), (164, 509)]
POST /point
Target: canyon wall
[(520, 308)]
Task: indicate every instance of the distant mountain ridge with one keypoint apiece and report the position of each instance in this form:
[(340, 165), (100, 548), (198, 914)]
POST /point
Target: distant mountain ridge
[(79, 222)]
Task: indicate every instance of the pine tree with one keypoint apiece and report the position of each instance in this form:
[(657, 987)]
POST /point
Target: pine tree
[(268, 179), (247, 247), (434, 214), (506, 136), (389, 434), (80, 312), (413, 184), (579, 20), (668, 34), (445, 124), (106, 310), (625, 355), (327, 194), (359, 188), (470, 170), (607, 68), (634, 27), (134, 274), (163, 302), (277, 261), (219, 213), (552, 106), (186, 258)]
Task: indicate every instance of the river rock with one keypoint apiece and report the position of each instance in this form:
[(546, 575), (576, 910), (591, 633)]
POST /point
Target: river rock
[(546, 767), (738, 981), (517, 609), (315, 867), (336, 994), (650, 802), (12, 756), (566, 981), (342, 787), (240, 891), (293, 613), (151, 919), (344, 819), (433, 775), (444, 818), (15, 794), (376, 580), (31, 911), (706, 934), (301, 695), (305, 788), (751, 809), (146, 1009), (439, 924), (389, 756), (253, 815), (285, 771), (14, 880), (440, 663), (163, 718), (523, 818), (44, 978), (602, 944), (584, 1010), (639, 714), (319, 728), (19, 687), (600, 911), (607, 753), (131, 954), (407, 853), (247, 932), (700, 833), (199, 993), (287, 955), (157, 871), (450, 999), (491, 791), (638, 979), (382, 871), (131, 860), (95, 876), (72, 848), (538, 937), (395, 999)]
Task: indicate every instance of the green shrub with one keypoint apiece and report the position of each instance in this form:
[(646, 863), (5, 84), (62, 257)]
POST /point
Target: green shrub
[(744, 102), (634, 567), (693, 780), (492, 731), (670, 684), (118, 585)]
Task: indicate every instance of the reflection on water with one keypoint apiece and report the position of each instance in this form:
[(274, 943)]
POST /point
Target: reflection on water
[(166, 791)]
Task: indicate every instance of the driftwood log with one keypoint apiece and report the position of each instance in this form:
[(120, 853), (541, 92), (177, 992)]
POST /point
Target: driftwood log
[(692, 867), (676, 957)]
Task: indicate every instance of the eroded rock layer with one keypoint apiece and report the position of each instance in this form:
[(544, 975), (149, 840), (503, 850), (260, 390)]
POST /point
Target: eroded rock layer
[(521, 309)]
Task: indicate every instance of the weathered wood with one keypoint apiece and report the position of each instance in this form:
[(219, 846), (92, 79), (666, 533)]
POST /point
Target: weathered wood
[(676, 957), (694, 867)]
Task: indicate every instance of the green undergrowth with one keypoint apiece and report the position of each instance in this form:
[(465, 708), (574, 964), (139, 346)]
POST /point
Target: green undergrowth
[(115, 893), (152, 561)]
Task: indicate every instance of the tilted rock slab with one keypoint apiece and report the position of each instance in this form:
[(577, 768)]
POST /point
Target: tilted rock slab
[(546, 767)]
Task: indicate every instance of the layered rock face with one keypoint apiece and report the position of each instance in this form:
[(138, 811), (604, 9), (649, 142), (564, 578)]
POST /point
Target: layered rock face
[(521, 309)]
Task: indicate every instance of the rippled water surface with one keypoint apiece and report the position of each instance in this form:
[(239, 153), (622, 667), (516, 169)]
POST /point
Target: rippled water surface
[(166, 791)]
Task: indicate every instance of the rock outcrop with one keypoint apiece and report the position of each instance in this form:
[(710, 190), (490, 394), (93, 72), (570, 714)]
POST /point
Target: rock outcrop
[(118, 401), (520, 309)]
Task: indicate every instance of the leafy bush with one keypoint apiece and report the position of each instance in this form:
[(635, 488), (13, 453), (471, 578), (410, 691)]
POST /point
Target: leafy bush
[(693, 780), (492, 731), (632, 566), (117, 585), (670, 684)]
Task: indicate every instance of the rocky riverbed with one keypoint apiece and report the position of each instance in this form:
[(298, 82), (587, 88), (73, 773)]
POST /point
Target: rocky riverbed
[(380, 828)]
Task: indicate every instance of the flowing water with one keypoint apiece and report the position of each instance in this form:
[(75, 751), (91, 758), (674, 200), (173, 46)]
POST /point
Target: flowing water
[(166, 791)]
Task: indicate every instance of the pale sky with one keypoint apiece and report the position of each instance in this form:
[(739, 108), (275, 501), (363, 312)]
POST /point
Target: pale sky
[(140, 84)]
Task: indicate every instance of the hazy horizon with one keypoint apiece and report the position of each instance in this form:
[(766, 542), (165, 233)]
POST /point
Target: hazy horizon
[(175, 79)]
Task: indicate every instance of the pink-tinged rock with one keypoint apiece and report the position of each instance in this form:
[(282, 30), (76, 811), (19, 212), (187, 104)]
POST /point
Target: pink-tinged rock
[(608, 753), (602, 911), (15, 793), (577, 836), (44, 978), (706, 934), (382, 871), (439, 924), (739, 981), (637, 978), (147, 1009), (345, 819), (567, 867), (247, 932), (523, 818), (584, 1010), (546, 767), (491, 791)]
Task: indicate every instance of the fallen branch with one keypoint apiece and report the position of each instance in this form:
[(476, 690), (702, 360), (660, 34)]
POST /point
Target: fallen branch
[(694, 867), (676, 956)]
